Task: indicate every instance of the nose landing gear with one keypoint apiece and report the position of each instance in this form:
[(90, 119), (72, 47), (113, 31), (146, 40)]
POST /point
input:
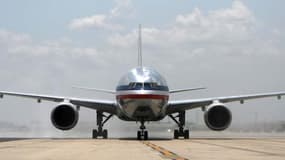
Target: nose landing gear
[(142, 134)]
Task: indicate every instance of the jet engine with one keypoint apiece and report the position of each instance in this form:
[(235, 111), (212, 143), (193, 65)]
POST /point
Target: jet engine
[(218, 117), (64, 116)]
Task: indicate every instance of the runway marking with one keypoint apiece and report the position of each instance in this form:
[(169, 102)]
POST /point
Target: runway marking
[(164, 152), (239, 148)]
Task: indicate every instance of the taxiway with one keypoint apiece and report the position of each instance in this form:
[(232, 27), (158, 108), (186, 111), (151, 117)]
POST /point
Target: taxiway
[(158, 149)]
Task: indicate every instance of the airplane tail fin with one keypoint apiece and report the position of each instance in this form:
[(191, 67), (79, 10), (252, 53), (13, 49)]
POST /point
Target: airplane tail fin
[(139, 47)]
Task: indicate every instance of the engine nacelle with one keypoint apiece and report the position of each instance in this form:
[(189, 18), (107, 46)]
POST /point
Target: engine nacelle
[(64, 116), (218, 117)]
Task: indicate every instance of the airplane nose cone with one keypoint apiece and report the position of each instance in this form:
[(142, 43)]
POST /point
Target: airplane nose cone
[(142, 75)]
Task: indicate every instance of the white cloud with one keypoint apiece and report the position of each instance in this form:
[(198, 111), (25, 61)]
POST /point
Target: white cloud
[(19, 43), (122, 8), (96, 21), (86, 22), (192, 18), (17, 38), (224, 31), (233, 25)]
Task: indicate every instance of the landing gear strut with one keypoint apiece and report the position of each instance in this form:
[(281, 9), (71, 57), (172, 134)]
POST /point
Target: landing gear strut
[(100, 123), (142, 134), (181, 132)]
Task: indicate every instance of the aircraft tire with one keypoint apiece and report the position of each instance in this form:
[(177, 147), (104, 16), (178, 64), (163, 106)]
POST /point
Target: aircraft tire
[(139, 136), (176, 134), (145, 135), (94, 134), (105, 134), (186, 134)]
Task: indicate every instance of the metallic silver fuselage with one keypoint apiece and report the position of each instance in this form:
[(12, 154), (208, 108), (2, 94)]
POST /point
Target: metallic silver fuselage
[(142, 94)]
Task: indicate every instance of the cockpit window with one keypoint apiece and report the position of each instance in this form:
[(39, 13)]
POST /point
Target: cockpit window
[(135, 85), (150, 85), (139, 85), (153, 85), (132, 85), (147, 85)]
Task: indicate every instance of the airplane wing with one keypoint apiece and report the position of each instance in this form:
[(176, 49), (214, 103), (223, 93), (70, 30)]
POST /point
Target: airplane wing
[(96, 89), (105, 106), (182, 105), (187, 89)]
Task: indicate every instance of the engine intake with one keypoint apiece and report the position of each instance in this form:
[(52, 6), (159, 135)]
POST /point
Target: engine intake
[(218, 117), (64, 116)]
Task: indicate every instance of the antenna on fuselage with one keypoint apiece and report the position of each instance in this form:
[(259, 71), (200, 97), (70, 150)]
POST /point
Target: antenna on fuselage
[(139, 47)]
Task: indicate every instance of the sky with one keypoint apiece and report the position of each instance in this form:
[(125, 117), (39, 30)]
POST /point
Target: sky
[(230, 47)]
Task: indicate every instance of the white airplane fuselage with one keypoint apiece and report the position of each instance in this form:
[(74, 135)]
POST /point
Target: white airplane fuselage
[(142, 94)]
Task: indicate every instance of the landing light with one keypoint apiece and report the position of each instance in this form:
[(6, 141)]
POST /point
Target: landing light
[(169, 130)]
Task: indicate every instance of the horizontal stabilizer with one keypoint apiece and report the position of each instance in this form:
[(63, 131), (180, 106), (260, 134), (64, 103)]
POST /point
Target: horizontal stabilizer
[(186, 89)]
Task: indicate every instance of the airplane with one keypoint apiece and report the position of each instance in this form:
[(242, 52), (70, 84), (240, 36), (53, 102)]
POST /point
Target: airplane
[(142, 95)]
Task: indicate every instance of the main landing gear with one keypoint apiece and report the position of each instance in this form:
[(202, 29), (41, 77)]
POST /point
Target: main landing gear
[(181, 132), (100, 123), (142, 134)]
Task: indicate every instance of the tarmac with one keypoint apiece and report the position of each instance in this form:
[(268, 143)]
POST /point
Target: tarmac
[(155, 149)]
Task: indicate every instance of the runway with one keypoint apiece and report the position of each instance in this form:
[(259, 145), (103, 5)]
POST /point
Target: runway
[(157, 149)]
